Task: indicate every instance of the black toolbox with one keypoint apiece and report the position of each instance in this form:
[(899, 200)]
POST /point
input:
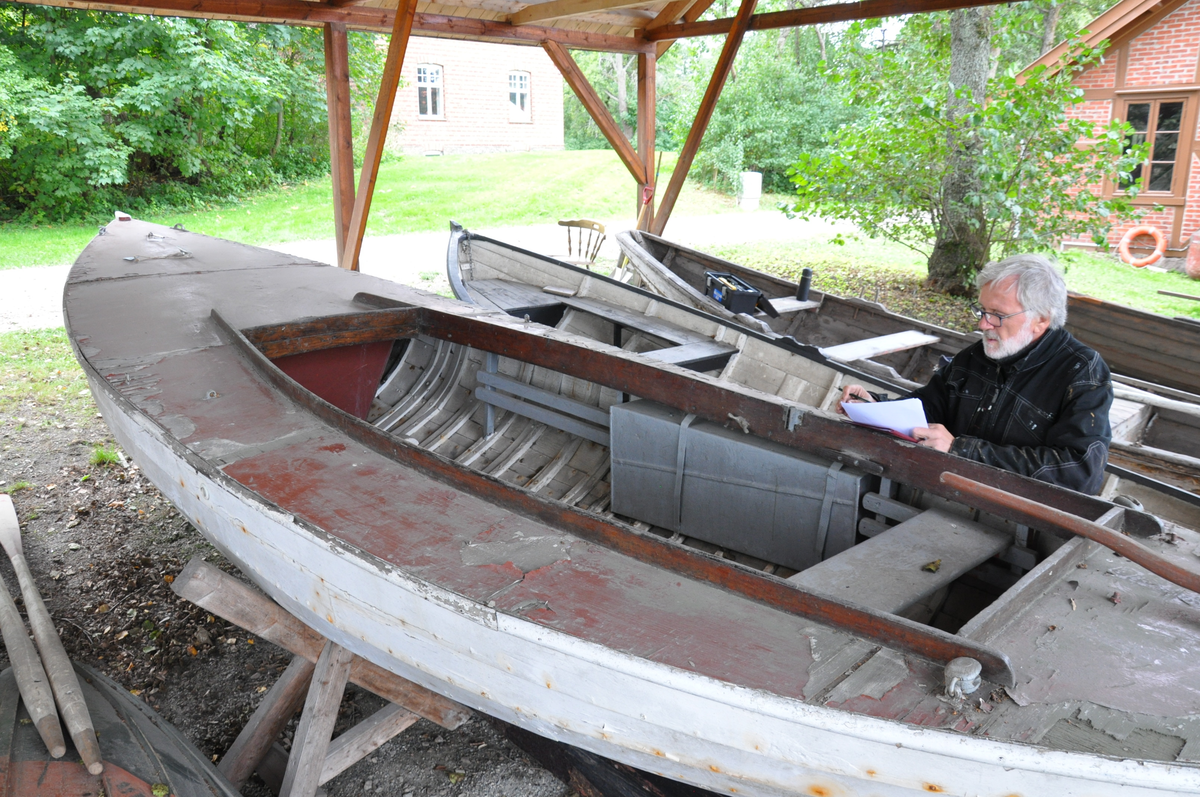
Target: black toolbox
[(734, 294)]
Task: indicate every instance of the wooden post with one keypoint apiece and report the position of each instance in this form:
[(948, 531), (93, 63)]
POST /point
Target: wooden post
[(382, 119), (341, 137), (311, 744), (267, 722), (596, 108), (703, 115), (647, 100)]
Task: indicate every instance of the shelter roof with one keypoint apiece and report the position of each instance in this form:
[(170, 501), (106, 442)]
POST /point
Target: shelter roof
[(613, 25), (1124, 21)]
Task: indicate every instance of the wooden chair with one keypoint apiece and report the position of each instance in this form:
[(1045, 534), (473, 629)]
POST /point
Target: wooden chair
[(584, 245)]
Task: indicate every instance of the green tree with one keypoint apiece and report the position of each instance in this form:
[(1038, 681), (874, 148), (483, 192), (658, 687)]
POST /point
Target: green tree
[(1035, 175)]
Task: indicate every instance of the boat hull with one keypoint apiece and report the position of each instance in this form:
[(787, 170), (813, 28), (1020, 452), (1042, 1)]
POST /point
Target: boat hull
[(656, 718)]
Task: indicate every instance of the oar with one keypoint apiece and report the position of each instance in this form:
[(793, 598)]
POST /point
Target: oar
[(993, 499), (31, 676), (63, 680)]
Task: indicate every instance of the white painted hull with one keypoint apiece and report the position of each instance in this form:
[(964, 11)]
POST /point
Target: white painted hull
[(649, 715)]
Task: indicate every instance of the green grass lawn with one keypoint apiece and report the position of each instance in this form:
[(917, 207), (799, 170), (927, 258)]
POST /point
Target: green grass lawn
[(413, 194)]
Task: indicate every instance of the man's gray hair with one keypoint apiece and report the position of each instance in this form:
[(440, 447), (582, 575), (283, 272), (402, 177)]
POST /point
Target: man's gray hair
[(1041, 289)]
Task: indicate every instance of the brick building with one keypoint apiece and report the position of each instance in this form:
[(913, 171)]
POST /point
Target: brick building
[(1150, 77), (464, 96)]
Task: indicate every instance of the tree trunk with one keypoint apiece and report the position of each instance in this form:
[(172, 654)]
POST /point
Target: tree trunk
[(1050, 26), (962, 246), (278, 130)]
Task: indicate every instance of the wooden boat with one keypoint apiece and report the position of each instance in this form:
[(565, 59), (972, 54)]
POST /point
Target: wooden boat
[(143, 755), (1156, 424), (845, 329), (481, 537)]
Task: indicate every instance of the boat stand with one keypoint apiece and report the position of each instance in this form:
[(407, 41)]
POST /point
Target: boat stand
[(315, 680)]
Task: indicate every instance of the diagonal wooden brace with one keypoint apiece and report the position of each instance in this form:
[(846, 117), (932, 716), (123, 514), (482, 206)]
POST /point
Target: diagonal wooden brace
[(317, 676)]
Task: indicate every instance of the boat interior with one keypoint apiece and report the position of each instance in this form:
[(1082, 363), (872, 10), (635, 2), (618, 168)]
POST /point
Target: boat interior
[(747, 489)]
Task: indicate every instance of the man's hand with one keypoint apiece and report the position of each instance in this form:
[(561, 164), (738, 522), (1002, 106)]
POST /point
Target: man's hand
[(934, 436), (853, 393)]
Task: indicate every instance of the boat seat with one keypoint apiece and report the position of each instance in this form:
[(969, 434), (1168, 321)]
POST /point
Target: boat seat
[(884, 344), (706, 355), (891, 571), (553, 409), (786, 305)]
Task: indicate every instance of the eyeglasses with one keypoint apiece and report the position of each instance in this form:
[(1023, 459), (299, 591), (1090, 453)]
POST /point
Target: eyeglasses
[(993, 319)]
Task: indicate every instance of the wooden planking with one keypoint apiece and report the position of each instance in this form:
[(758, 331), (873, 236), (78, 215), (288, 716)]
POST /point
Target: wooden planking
[(891, 572), (874, 347), (556, 9)]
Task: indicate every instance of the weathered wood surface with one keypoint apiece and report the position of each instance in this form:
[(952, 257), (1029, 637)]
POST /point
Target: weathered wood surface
[(309, 748), (1143, 345), (68, 694), (336, 481), (225, 596), (282, 701)]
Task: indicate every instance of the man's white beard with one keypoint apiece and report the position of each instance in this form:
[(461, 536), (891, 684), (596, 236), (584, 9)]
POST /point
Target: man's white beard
[(997, 349)]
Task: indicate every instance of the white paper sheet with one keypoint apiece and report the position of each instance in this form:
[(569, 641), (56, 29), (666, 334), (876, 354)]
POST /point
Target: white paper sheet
[(899, 416)]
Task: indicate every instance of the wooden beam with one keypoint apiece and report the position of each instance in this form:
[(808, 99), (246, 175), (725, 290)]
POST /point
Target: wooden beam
[(380, 123), (557, 9), (267, 722), (693, 13), (301, 12), (365, 738), (596, 108), (818, 15), (703, 115), (647, 101), (311, 745), (341, 136), (240, 604)]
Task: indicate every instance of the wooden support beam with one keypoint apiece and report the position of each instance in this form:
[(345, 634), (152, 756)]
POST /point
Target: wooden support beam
[(647, 101), (596, 108), (380, 123), (690, 14), (311, 745), (267, 722), (341, 137), (303, 12), (557, 9), (231, 600), (703, 115), (365, 738), (817, 15)]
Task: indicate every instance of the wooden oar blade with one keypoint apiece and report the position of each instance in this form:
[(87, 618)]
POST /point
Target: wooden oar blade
[(10, 527)]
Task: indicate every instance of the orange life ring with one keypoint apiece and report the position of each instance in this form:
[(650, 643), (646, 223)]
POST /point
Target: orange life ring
[(1160, 246)]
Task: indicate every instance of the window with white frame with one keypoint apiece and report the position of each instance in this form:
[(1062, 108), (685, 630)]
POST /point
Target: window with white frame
[(429, 92), (518, 97)]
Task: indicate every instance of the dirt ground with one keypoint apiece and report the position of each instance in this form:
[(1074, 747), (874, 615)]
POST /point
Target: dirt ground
[(104, 545)]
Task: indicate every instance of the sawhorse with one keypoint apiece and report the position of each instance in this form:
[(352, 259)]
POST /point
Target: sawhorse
[(316, 678)]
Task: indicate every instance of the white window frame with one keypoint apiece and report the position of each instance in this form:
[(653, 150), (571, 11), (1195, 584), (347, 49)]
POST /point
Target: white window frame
[(519, 88), (430, 89)]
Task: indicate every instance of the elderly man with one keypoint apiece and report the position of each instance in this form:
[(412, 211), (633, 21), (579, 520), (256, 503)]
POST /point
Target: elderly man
[(1028, 397)]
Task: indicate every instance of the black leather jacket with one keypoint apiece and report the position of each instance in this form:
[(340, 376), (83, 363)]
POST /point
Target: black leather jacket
[(1042, 412)]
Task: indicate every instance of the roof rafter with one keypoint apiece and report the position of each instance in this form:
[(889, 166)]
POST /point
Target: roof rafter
[(557, 9), (817, 15), (300, 12)]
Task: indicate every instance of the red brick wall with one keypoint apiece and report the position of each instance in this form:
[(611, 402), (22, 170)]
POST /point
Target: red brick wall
[(1102, 76), (475, 99), (1167, 52)]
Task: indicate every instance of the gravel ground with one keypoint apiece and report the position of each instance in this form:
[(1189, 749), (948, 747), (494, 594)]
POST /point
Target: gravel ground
[(104, 544)]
